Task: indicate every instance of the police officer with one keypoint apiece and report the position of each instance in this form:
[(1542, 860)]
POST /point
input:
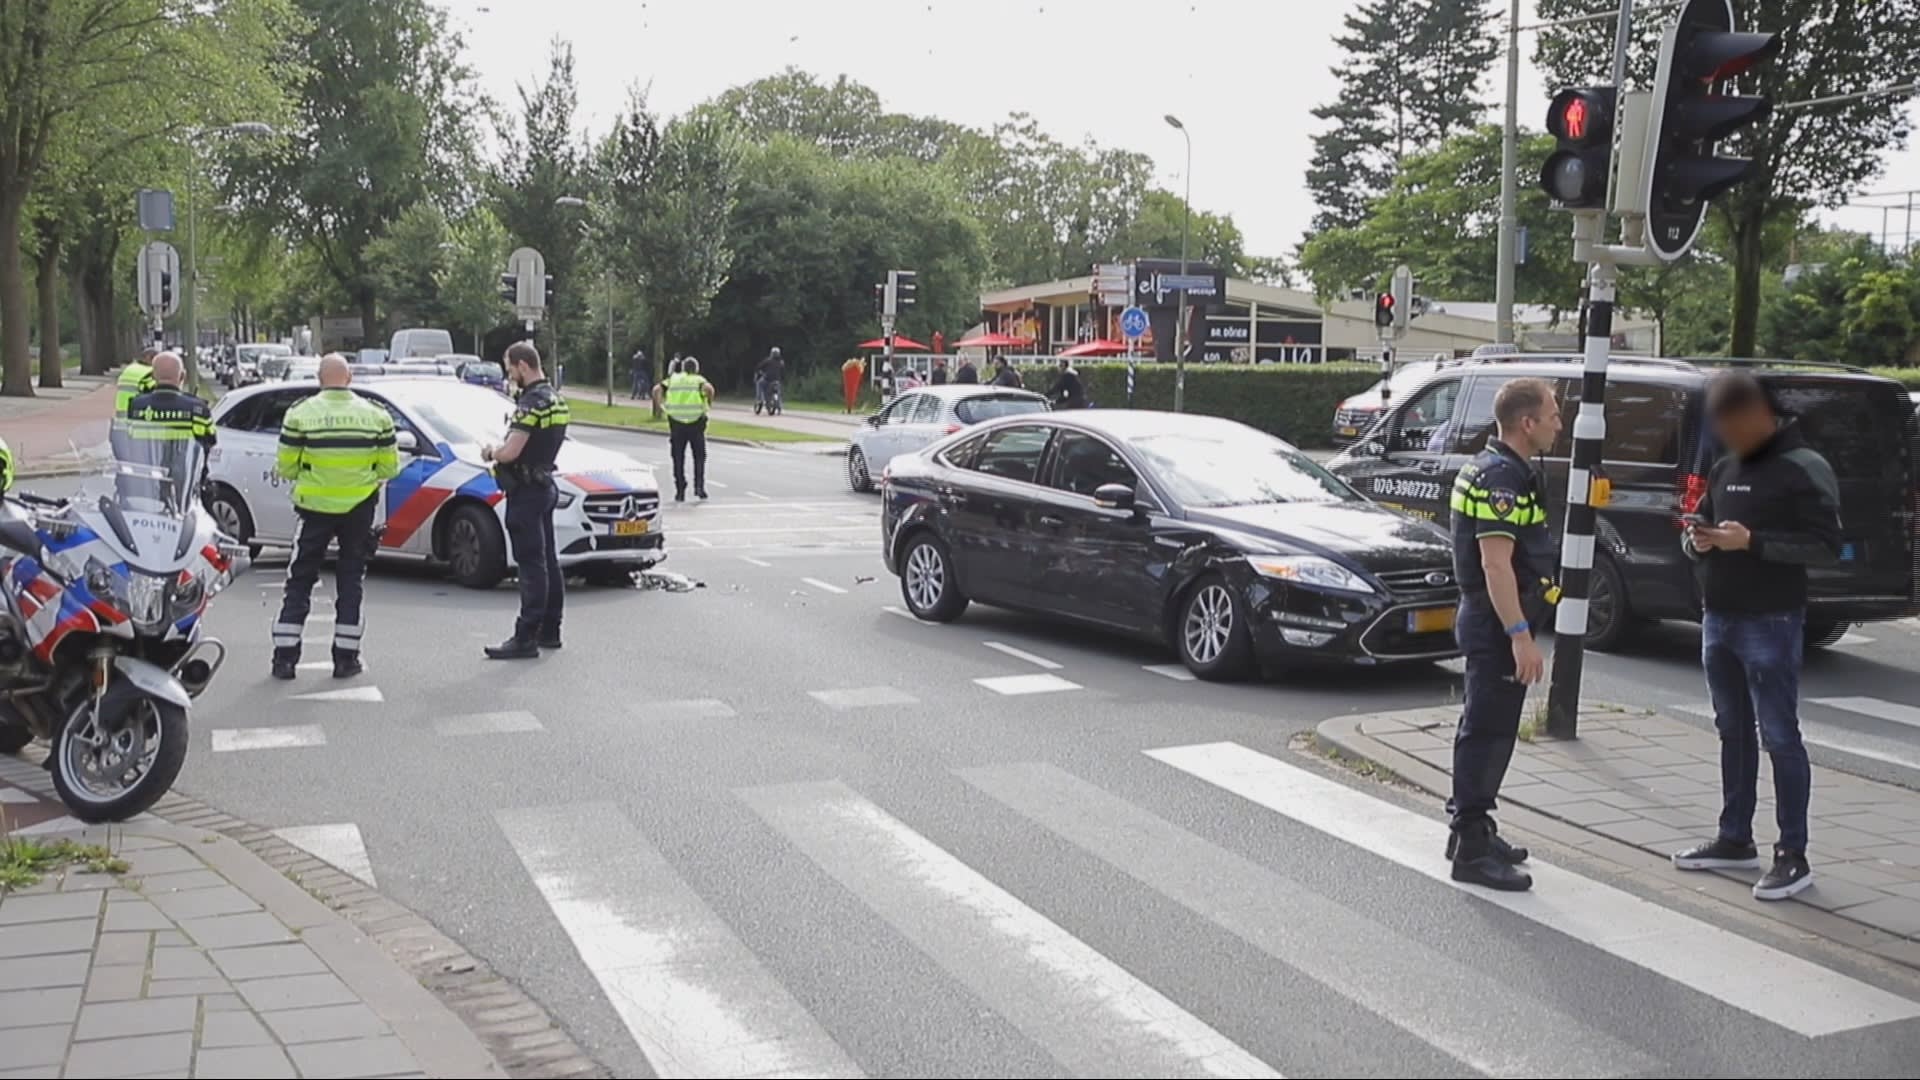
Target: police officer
[(1502, 557), (337, 448), (6, 467), (135, 379), (168, 408), (523, 467), (687, 398)]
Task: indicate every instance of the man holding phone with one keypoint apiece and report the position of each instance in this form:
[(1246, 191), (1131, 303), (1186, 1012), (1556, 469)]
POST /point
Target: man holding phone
[(1502, 551), (1771, 509)]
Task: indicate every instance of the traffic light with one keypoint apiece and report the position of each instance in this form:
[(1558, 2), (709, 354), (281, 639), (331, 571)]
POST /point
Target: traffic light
[(1383, 310), (905, 284), (547, 296), (1581, 120), (166, 290), (1701, 52), (1402, 293), (510, 288), (879, 299)]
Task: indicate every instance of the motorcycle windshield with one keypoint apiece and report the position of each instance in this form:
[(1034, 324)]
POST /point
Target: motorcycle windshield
[(156, 467)]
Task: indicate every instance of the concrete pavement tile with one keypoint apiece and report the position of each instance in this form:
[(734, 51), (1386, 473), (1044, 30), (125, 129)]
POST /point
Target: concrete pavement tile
[(135, 915), (108, 1058), (124, 843), (1910, 889), (1589, 813), (1830, 893), (34, 972), (1839, 836), (268, 961), (120, 1019), (116, 982), (39, 939), (1865, 820), (1670, 816), (160, 988), (32, 1008), (233, 1029), (46, 1045), (1894, 914), (295, 992), (1859, 873), (1661, 755), (181, 881), (122, 948), (171, 939), (48, 907), (1678, 786), (182, 964), (1621, 800), (352, 1021), (222, 1003), (242, 1062), (34, 1073), (200, 903), (1642, 833), (76, 880), (163, 860), (357, 1057), (230, 931)]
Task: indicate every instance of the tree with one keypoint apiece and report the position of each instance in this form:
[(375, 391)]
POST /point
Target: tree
[(469, 280), (1155, 232), (844, 118), (1410, 80), (407, 261), (545, 160), (1852, 304), (1818, 155)]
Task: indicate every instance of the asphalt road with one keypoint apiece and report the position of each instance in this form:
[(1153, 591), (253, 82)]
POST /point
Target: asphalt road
[(771, 826)]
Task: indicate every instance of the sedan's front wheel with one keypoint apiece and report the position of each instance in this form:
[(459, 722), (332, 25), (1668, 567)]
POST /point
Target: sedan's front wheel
[(926, 580), (1213, 638), (859, 477)]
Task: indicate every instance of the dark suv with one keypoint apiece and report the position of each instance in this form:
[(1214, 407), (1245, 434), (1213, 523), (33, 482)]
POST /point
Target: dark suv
[(1657, 456)]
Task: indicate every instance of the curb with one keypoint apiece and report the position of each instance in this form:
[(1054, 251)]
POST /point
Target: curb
[(1342, 733), (50, 472)]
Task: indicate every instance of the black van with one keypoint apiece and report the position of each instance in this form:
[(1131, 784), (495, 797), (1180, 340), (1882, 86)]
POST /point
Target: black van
[(1657, 456)]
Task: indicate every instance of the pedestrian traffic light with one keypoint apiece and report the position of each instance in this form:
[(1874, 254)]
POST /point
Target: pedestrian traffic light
[(547, 296), (905, 284), (1383, 310), (1581, 121), (1701, 52), (879, 299), (510, 288), (166, 290)]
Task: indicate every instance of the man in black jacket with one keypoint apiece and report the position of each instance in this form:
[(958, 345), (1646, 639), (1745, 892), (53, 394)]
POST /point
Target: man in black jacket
[(1771, 509)]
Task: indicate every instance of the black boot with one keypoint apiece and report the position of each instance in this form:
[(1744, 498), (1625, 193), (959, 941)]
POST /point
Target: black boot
[(514, 648), (550, 639), (1476, 863), (284, 663), (1507, 853), (347, 664)]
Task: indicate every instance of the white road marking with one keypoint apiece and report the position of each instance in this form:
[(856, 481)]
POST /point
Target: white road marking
[(1450, 1006), (1176, 672), (702, 541), (692, 995), (268, 738), (1016, 685), (895, 609), (1854, 639), (1830, 736), (340, 846), (1699, 955), (363, 695), (315, 665), (750, 560), (1021, 654), (863, 697), (494, 723), (716, 484), (757, 495), (1891, 711), (1093, 1017), (823, 586), (699, 708)]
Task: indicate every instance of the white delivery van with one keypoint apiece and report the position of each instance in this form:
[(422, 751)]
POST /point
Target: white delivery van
[(428, 343)]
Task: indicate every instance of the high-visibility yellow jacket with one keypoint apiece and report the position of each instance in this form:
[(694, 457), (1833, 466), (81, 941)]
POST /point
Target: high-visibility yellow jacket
[(337, 448), (686, 398), (135, 379)]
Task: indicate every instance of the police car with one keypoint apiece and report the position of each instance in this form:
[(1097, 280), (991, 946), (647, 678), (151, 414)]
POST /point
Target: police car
[(444, 506)]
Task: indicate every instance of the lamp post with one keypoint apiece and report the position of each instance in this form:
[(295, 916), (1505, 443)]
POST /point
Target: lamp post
[(1505, 273), (1180, 331), (606, 275), (251, 128)]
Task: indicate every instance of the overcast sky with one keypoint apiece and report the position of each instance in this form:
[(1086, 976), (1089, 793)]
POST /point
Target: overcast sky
[(1242, 74)]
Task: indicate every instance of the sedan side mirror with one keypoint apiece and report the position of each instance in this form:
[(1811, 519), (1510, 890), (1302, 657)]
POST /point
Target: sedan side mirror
[(407, 442), (1113, 497), (874, 420)]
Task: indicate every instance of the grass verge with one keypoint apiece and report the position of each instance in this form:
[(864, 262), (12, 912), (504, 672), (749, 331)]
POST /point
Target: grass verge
[(641, 420), (24, 860)]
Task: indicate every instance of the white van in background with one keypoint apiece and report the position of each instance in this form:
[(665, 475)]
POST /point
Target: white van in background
[(407, 344)]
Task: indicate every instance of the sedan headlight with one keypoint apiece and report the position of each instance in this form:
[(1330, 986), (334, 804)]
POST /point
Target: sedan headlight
[(566, 499), (1311, 571)]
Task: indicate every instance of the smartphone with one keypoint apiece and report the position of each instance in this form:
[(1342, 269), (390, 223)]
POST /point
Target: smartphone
[(1695, 521)]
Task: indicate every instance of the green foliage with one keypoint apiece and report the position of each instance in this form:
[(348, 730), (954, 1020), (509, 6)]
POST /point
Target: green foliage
[(1859, 307), (545, 159), (1293, 402), (25, 859), (844, 119), (469, 281)]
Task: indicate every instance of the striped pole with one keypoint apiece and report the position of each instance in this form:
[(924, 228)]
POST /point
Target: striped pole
[(1576, 551)]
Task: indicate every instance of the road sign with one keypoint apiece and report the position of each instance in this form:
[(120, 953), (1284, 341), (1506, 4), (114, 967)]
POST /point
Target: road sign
[(159, 279), (529, 268), (1113, 284), (155, 208), (1133, 323), (1196, 283)]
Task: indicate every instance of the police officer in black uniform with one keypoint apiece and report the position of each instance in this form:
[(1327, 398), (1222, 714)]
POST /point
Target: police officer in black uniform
[(168, 407), (523, 467), (1503, 559)]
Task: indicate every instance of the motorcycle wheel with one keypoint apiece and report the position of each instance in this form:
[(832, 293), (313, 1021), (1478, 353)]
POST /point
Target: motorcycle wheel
[(128, 772)]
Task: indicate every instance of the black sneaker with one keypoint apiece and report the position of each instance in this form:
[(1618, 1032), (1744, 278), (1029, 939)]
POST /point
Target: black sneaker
[(1510, 854), (550, 639), (1789, 875), (1475, 861), (1718, 854), (679, 496), (346, 667), (514, 649), (700, 493)]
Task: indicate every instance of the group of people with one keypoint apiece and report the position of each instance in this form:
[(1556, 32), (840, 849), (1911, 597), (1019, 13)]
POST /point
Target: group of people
[(1770, 511), (1067, 391)]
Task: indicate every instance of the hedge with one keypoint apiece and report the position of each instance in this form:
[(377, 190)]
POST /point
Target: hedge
[(1293, 401)]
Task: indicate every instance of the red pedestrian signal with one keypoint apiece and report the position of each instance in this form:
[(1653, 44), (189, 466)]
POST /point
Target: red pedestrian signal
[(1383, 310), (1582, 120)]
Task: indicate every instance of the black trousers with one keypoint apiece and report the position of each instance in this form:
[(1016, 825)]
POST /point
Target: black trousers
[(354, 532), (1490, 719), (682, 436), (543, 591)]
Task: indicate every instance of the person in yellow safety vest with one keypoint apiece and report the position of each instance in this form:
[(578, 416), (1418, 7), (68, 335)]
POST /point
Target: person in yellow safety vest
[(6, 467), (687, 398), (135, 379), (337, 448)]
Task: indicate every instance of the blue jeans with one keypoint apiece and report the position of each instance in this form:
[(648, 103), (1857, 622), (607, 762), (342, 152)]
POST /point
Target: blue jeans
[(1753, 674)]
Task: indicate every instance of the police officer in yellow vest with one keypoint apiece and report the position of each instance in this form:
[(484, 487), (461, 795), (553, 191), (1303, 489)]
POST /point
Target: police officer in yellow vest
[(1502, 556), (6, 467), (337, 448), (135, 379), (523, 467), (688, 397)]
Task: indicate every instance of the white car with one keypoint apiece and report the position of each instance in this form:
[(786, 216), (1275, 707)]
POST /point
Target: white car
[(444, 506), (921, 417)]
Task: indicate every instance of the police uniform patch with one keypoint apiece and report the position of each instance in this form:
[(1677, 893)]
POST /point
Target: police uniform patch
[(1502, 501)]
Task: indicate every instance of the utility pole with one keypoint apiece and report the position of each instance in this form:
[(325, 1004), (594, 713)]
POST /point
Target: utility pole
[(1508, 269), (1181, 333)]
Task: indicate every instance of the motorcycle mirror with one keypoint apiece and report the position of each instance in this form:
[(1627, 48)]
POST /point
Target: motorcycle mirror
[(19, 536)]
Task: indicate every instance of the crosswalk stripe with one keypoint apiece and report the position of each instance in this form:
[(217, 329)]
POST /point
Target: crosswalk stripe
[(824, 586), (690, 992), (1451, 1007), (1040, 662), (1875, 707), (1093, 1017), (1176, 672), (226, 740), (359, 695), (340, 846), (862, 697), (494, 723), (1018, 685), (1718, 963)]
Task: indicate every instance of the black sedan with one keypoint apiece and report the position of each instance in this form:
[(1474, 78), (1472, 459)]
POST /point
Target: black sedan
[(1227, 543)]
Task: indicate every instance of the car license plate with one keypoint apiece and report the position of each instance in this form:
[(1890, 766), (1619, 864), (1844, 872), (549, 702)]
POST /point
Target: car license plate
[(1349, 431), (630, 528), (1430, 620)]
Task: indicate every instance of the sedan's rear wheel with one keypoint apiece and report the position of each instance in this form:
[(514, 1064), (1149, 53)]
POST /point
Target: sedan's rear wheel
[(926, 580), (1213, 638), (858, 477)]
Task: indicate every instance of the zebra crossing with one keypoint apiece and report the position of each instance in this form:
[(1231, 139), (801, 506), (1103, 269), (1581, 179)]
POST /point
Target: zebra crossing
[(698, 1000)]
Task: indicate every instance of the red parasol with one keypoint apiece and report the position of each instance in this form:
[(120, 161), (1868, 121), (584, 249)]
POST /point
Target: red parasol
[(900, 341), (992, 341), (1096, 348)]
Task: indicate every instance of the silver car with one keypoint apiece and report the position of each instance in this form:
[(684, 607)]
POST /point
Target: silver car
[(921, 417)]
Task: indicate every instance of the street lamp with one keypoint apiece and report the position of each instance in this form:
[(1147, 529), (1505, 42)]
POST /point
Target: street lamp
[(574, 202), (249, 129), (1180, 331)]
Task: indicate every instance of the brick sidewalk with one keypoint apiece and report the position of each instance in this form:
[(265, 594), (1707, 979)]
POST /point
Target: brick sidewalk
[(60, 430), (1654, 782)]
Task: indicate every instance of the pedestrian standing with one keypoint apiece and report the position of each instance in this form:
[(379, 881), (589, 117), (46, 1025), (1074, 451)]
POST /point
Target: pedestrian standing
[(523, 467), (687, 398), (641, 373), (1502, 557), (1004, 374), (1771, 510), (940, 373), (967, 374), (337, 448)]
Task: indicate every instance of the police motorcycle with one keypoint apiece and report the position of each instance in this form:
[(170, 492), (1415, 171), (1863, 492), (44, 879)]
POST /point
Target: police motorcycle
[(102, 650)]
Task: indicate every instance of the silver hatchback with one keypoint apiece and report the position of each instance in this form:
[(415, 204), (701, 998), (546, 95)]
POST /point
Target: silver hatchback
[(921, 417)]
